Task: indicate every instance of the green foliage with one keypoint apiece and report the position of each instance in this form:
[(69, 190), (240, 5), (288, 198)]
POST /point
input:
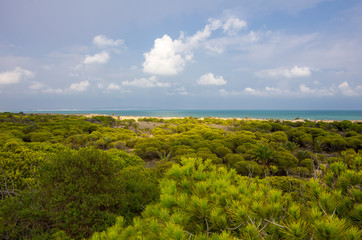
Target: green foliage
[(278, 137), (24, 217), (105, 120), (201, 201), (80, 189), (19, 168), (285, 160), (330, 228), (138, 188), (303, 178), (334, 142), (80, 192), (248, 168), (232, 159), (222, 151), (263, 154)]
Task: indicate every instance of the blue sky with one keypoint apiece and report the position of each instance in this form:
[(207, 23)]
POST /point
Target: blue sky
[(165, 54)]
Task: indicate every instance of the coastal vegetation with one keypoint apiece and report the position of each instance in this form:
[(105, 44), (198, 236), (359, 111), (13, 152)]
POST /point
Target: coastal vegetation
[(103, 177)]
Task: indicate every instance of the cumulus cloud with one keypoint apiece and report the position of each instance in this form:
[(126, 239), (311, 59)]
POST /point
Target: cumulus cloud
[(225, 92), (103, 41), (251, 91), (74, 87), (145, 83), (347, 90), (303, 88), (169, 57), (113, 86), (52, 90), (14, 76), (244, 42), (200, 36), (79, 87), (36, 85), (316, 92), (267, 91), (302, 91), (273, 90), (284, 72), (210, 79), (248, 91), (102, 57), (298, 72), (233, 25), (165, 57), (181, 91)]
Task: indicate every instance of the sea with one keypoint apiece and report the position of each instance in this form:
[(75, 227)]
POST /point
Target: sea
[(337, 115)]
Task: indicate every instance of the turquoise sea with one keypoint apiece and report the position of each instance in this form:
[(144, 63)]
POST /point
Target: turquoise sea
[(260, 114)]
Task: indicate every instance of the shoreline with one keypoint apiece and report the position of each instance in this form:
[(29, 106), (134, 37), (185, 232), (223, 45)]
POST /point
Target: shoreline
[(136, 118), (267, 115)]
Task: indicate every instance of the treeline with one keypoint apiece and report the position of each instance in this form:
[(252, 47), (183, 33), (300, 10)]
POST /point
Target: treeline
[(71, 177)]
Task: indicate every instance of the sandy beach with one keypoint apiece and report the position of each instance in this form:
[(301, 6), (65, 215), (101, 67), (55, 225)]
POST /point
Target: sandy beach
[(137, 118)]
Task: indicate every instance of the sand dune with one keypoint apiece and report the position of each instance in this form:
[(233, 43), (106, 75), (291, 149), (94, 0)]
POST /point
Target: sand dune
[(136, 118)]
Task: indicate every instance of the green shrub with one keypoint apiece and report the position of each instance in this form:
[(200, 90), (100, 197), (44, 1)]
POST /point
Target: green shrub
[(248, 168)]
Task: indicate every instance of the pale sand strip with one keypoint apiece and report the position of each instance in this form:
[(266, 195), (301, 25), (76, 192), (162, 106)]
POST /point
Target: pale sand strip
[(136, 118)]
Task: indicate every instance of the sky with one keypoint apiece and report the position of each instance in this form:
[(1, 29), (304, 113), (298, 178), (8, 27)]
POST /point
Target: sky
[(166, 54)]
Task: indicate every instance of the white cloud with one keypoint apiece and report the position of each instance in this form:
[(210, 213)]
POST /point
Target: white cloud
[(302, 91), (239, 42), (103, 41), (102, 57), (52, 90), (214, 47), (181, 91), (251, 91), (113, 86), (233, 25), (267, 91), (229, 93), (347, 90), (210, 79), (202, 35), (273, 90), (164, 58), (298, 72), (284, 72), (316, 92), (303, 88), (169, 57), (15, 76), (253, 37), (36, 85), (79, 87), (145, 83)]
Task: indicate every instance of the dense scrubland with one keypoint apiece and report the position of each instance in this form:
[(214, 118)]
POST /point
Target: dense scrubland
[(74, 177)]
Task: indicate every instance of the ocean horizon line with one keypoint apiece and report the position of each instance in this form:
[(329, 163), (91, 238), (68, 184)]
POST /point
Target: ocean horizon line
[(166, 109), (337, 115)]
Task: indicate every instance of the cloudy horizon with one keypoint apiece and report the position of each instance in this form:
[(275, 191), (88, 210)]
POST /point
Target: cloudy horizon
[(231, 54)]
